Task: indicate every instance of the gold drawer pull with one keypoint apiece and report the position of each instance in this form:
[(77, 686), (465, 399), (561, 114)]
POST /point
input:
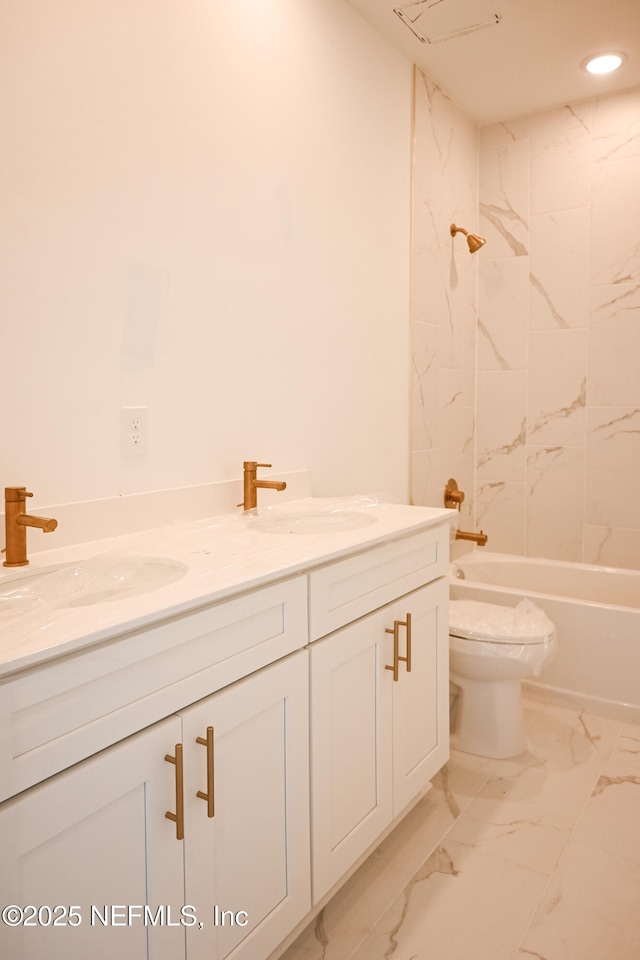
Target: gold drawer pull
[(178, 816), (209, 795), (396, 646)]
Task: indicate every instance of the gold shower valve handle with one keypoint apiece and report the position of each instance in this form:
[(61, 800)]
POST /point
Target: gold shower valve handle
[(452, 496)]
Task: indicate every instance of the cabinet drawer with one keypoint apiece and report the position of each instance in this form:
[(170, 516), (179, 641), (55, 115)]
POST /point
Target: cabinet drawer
[(65, 711), (348, 589)]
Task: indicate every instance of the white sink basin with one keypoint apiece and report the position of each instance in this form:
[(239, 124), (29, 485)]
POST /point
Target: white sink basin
[(83, 583), (317, 521)]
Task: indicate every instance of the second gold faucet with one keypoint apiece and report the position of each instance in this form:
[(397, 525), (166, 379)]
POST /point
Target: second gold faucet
[(251, 484), (16, 521)]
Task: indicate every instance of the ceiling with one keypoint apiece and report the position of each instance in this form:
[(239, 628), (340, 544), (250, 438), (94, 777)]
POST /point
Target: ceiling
[(527, 58)]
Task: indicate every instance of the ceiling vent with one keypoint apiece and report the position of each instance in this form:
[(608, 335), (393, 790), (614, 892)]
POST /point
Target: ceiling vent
[(433, 21)]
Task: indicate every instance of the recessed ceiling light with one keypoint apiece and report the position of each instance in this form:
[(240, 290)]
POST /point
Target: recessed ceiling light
[(604, 63)]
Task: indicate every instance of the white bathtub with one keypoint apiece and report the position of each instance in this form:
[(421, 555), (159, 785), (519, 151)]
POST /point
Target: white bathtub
[(596, 611)]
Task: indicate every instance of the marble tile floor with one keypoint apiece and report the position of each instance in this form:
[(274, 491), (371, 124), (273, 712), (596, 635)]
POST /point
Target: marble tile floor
[(535, 857)]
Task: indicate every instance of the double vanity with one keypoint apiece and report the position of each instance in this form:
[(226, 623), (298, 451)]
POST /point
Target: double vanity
[(206, 728)]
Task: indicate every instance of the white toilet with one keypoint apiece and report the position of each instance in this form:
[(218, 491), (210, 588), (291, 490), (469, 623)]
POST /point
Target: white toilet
[(491, 649)]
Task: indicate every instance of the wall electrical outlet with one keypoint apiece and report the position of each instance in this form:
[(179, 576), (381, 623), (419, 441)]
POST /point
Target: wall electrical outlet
[(133, 431)]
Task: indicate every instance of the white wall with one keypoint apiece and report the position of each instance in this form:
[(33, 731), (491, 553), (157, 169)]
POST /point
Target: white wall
[(205, 211)]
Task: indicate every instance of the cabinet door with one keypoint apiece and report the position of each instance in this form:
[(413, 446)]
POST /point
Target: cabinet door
[(421, 696), (247, 866), (96, 835), (375, 741), (351, 742)]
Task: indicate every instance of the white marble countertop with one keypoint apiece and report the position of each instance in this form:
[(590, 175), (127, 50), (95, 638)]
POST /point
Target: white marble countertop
[(80, 596)]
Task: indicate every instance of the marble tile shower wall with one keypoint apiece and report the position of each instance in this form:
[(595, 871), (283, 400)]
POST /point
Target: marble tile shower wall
[(558, 389), (445, 191)]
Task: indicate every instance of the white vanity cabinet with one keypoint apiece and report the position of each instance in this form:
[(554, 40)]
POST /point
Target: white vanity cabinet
[(98, 834), (379, 704), (274, 725)]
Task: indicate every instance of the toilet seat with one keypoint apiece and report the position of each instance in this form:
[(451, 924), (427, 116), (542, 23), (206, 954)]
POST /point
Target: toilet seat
[(489, 623)]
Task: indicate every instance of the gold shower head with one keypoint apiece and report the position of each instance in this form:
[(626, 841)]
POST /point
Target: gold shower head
[(474, 242)]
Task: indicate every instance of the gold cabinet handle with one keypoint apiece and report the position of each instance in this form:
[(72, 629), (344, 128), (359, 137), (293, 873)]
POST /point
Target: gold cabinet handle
[(407, 659), (397, 659), (178, 816), (209, 796)]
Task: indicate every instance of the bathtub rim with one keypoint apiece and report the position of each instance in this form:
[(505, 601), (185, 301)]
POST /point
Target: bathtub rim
[(475, 556)]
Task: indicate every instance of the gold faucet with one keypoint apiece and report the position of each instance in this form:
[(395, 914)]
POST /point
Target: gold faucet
[(15, 521), (251, 484), (479, 538)]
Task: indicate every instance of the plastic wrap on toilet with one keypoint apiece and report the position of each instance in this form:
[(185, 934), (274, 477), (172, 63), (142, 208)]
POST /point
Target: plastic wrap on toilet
[(519, 632)]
